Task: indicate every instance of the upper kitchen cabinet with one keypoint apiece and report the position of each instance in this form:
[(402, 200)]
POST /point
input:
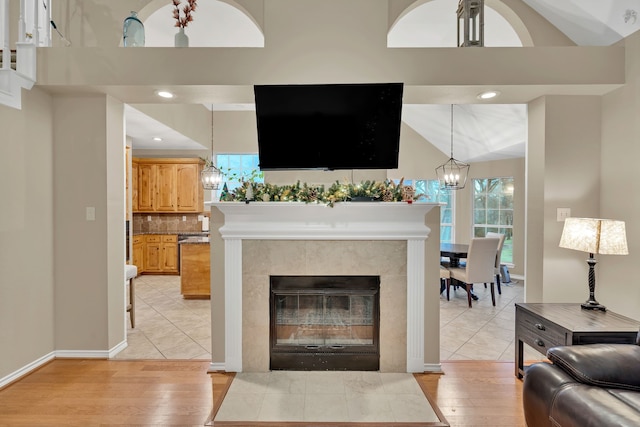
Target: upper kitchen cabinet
[(134, 185), (168, 185), (167, 194), (190, 196)]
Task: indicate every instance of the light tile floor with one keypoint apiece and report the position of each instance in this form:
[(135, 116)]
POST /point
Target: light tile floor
[(483, 332), (167, 325), (170, 327)]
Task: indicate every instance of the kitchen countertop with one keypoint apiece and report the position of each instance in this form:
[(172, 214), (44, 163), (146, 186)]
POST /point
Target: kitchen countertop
[(195, 240), (179, 233)]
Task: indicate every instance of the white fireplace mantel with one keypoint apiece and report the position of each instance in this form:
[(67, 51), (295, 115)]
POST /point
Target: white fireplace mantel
[(344, 221)]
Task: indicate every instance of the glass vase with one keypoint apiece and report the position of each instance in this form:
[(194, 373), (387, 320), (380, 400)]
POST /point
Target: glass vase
[(181, 39), (133, 31)]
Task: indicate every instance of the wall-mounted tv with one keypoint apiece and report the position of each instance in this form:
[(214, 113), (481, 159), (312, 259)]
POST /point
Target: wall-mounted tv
[(328, 126)]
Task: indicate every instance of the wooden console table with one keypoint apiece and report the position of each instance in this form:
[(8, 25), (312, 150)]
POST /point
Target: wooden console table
[(543, 326)]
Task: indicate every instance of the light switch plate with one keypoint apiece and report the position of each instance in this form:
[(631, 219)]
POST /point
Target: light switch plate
[(563, 213), (91, 213)]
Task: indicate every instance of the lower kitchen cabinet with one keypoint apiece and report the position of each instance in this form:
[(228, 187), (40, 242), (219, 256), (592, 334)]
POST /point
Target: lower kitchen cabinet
[(195, 270), (160, 254), (170, 254), (138, 253), (152, 254)]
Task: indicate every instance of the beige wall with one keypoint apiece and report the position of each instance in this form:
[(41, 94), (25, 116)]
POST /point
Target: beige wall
[(26, 233), (88, 171), (567, 176), (619, 188)]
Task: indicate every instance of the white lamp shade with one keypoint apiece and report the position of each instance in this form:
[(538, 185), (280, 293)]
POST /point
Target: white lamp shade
[(596, 236)]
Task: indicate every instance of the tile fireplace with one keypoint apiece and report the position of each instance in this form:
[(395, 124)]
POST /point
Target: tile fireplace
[(257, 241)]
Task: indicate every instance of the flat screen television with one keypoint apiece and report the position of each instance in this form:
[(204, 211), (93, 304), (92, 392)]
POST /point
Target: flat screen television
[(328, 126)]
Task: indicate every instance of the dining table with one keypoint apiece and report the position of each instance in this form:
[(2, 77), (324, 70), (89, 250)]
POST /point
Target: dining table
[(454, 251)]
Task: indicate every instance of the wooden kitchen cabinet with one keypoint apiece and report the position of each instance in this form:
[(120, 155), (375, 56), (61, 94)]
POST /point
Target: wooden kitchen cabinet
[(166, 192), (152, 247), (168, 185), (195, 275), (138, 253), (169, 254), (134, 185), (146, 187), (190, 194), (160, 254)]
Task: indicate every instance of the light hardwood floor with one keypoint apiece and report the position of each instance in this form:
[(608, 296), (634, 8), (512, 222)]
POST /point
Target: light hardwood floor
[(154, 391), (181, 393)]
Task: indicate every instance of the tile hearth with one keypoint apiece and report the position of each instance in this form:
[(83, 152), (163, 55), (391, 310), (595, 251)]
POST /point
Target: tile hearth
[(290, 396)]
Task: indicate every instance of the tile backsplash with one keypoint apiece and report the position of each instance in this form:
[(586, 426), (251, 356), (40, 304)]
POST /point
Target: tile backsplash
[(167, 222)]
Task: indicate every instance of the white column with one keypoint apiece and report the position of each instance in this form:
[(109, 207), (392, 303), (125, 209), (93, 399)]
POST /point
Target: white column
[(415, 305), (233, 305)]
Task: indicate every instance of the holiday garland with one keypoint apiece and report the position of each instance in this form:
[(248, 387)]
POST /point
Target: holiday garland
[(386, 191)]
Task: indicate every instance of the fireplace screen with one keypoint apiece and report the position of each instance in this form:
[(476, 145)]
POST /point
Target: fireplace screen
[(325, 322)]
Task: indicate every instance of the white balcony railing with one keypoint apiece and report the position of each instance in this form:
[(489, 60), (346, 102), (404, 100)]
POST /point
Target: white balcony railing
[(18, 70)]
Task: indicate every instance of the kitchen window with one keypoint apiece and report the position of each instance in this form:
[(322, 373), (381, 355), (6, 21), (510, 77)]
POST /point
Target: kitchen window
[(238, 167)]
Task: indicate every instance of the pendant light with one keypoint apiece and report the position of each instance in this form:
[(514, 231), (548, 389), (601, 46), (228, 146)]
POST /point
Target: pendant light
[(211, 176), (452, 174)]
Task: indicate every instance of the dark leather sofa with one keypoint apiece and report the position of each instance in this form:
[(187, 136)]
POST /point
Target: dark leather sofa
[(593, 385)]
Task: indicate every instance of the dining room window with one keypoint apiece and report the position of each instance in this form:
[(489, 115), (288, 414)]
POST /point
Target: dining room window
[(430, 188), (493, 211)]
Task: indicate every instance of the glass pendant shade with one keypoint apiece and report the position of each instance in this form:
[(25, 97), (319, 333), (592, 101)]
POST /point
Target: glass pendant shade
[(211, 178), (452, 175)]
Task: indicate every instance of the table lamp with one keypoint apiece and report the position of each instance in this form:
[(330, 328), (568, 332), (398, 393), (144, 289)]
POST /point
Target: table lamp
[(596, 236)]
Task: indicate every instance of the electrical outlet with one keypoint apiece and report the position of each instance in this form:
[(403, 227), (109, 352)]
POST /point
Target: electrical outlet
[(563, 213), (184, 218), (149, 218)]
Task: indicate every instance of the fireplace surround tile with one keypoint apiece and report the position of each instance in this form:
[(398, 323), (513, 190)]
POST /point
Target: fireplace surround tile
[(323, 258)]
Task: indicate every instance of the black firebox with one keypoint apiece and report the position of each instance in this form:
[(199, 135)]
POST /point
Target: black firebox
[(323, 323)]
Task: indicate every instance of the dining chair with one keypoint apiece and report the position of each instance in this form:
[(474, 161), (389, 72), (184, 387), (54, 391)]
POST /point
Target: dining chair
[(501, 238), (445, 276), (131, 271), (480, 267)]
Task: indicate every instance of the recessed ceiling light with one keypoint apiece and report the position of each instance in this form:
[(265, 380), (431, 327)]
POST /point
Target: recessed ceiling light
[(488, 94), (157, 138), (164, 94)]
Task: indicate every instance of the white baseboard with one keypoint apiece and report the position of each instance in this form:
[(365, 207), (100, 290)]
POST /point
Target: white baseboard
[(16, 375), (82, 354), (117, 349), (433, 368), (216, 366)]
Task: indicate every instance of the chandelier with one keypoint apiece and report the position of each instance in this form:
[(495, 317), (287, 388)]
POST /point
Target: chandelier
[(453, 173)]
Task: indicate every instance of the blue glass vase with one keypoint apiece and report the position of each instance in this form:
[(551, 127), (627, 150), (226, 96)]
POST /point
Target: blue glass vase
[(133, 31)]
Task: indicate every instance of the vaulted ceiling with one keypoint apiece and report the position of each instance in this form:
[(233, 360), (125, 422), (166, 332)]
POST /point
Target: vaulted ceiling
[(481, 131)]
